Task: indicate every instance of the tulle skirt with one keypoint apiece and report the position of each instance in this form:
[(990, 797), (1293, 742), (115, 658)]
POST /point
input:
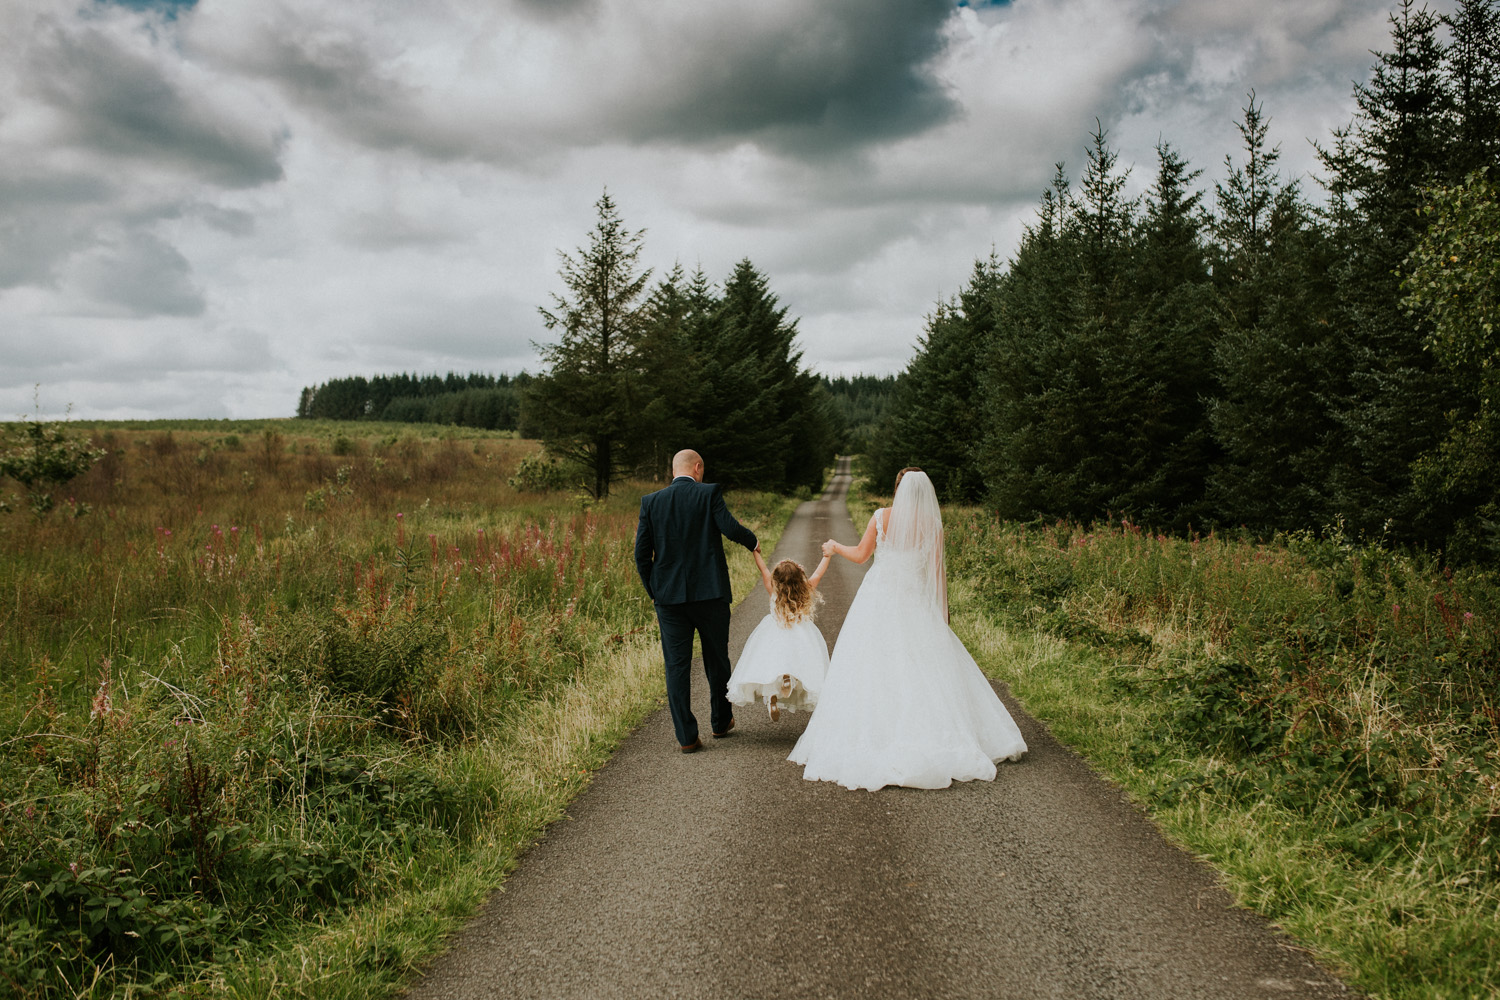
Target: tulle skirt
[(772, 651), (903, 702)]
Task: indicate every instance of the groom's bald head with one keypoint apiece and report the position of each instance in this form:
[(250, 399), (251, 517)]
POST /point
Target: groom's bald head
[(687, 462)]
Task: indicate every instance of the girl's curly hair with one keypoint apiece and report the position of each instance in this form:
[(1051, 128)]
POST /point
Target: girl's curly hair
[(795, 597)]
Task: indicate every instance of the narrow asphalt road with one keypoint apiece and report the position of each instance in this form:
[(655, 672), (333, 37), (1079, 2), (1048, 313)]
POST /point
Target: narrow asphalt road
[(723, 874)]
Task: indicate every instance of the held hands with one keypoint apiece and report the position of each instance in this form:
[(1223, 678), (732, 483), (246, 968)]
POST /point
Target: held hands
[(830, 547)]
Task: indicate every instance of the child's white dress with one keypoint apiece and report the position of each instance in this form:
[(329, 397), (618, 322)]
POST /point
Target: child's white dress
[(774, 649)]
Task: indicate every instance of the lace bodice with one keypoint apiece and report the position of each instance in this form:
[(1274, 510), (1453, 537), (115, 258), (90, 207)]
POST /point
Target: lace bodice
[(911, 573)]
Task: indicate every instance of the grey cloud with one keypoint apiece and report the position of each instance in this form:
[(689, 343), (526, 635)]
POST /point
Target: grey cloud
[(553, 10), (339, 77), (41, 221), (388, 229), (472, 331), (839, 75), (124, 104), (139, 273), (437, 154), (120, 352), (807, 80), (105, 397), (231, 221)]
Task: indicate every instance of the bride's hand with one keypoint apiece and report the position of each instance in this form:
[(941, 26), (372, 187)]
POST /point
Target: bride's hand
[(829, 547)]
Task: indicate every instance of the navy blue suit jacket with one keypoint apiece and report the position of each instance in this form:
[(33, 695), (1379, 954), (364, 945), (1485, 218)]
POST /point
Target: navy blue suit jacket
[(678, 549)]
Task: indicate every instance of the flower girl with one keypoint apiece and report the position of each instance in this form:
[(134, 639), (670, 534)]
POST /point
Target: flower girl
[(785, 657)]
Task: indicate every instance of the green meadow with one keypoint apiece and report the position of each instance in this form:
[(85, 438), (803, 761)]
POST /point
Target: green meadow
[(281, 700), (1314, 717)]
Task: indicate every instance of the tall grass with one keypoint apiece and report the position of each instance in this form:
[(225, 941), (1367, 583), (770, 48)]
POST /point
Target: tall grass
[(1315, 716), (261, 690)]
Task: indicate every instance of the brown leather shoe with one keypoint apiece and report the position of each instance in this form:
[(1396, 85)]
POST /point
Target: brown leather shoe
[(725, 732), (691, 747)]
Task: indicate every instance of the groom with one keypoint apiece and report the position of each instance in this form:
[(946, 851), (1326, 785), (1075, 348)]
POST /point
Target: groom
[(680, 557)]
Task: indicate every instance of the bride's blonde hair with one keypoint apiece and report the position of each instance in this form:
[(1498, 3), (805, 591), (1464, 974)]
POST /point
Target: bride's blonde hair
[(795, 597)]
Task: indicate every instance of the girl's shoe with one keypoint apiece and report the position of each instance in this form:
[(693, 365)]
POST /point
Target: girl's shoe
[(773, 708), (786, 686)]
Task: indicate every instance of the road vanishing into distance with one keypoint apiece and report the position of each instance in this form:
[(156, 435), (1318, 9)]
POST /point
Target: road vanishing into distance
[(722, 874)]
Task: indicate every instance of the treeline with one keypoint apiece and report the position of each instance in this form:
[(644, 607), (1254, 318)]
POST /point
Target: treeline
[(860, 406), (474, 400), (1244, 356), (641, 370)]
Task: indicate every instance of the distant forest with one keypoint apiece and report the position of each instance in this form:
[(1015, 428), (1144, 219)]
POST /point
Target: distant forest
[(1242, 355), (473, 400), (859, 403)]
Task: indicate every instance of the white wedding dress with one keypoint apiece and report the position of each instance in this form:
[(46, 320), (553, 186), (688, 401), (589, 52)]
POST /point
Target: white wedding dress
[(903, 702)]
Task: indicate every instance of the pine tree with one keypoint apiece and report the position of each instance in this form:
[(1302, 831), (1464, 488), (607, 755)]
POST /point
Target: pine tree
[(1273, 354), (1167, 351), (1473, 86), (1388, 409), (671, 373), (588, 402), (1093, 385), (936, 417), (743, 400), (1023, 453)]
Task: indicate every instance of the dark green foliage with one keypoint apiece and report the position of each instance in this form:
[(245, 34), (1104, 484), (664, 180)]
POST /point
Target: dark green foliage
[(1169, 345), (639, 376), (1455, 283), (1098, 369), (1473, 84), (859, 407), (474, 400), (1255, 365), (936, 417), (587, 402), (747, 376), (1275, 357), (762, 420), (1388, 409)]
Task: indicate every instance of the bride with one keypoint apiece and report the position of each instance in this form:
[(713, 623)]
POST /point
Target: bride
[(903, 702)]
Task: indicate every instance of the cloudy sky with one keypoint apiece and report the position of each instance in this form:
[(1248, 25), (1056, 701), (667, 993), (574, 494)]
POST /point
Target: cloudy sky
[(206, 206)]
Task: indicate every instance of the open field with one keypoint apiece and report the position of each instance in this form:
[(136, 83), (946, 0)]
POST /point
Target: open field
[(279, 700)]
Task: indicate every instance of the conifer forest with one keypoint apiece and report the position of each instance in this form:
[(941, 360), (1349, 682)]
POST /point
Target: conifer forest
[(1254, 351)]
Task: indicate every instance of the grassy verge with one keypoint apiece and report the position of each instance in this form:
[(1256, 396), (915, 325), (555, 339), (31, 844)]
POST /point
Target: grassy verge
[(276, 711), (1314, 717)]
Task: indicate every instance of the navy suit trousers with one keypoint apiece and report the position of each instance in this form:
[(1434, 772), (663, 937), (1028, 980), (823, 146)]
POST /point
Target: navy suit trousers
[(710, 620)]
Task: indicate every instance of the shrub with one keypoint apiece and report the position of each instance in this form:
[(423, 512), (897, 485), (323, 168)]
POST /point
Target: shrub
[(40, 454), (538, 473)]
